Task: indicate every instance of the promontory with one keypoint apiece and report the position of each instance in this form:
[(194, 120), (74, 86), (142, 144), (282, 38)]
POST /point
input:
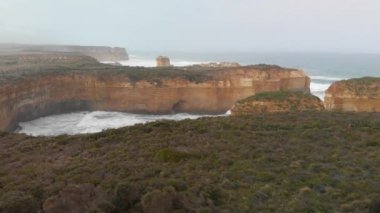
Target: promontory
[(100, 53), (39, 84)]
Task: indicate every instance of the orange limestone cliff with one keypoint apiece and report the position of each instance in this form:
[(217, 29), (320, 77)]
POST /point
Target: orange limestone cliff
[(37, 85), (279, 101), (354, 95)]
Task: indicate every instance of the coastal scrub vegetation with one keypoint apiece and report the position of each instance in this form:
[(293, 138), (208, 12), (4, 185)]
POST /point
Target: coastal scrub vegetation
[(290, 162), (366, 86), (280, 96), (277, 101), (15, 67)]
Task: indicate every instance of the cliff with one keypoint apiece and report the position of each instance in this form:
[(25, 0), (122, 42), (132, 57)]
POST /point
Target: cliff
[(354, 95), (35, 85), (101, 53), (280, 101)]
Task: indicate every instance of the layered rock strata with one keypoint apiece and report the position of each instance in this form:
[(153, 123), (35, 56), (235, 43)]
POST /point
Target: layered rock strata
[(37, 85), (354, 95)]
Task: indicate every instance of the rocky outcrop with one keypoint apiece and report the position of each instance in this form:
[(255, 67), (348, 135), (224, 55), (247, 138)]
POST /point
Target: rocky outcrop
[(101, 53), (37, 85), (354, 95), (162, 61), (280, 101)]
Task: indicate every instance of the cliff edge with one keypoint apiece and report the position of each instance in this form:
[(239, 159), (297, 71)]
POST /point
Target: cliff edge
[(280, 101), (354, 95), (100, 53), (35, 85)]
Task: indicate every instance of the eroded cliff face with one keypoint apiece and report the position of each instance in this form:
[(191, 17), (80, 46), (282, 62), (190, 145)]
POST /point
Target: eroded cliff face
[(279, 101), (354, 95), (81, 84)]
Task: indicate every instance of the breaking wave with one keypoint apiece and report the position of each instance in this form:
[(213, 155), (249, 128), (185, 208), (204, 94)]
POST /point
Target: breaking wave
[(325, 78), (91, 122), (319, 89)]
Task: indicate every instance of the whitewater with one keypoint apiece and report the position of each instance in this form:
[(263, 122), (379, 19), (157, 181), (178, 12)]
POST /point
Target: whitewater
[(92, 122)]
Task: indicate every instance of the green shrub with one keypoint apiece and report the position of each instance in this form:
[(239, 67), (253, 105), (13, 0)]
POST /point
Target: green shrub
[(173, 155), (126, 195), (18, 202)]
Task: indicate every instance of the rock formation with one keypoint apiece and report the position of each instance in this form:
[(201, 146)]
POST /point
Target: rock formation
[(37, 85), (280, 101), (162, 61), (354, 95), (101, 53)]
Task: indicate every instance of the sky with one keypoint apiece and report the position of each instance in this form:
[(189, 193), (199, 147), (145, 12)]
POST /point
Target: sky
[(346, 26)]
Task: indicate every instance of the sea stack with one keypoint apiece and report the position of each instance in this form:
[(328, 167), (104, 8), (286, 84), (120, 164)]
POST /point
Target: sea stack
[(163, 61)]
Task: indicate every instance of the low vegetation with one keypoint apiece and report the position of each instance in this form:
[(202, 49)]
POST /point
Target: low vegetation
[(294, 162), (366, 86), (15, 67), (278, 101), (269, 67), (279, 96)]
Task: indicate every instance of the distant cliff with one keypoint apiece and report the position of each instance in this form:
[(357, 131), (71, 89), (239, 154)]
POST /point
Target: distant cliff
[(279, 101), (354, 95), (101, 53), (36, 85)]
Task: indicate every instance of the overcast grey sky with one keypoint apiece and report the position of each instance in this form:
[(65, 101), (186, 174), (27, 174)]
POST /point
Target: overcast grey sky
[(197, 25)]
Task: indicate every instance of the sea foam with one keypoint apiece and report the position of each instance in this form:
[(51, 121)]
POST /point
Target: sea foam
[(319, 89), (325, 78), (91, 122)]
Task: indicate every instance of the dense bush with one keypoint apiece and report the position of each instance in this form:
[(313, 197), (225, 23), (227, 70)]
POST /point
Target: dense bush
[(280, 96), (366, 86), (296, 162)]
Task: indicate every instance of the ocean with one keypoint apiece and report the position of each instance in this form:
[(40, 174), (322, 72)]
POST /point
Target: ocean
[(323, 69)]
